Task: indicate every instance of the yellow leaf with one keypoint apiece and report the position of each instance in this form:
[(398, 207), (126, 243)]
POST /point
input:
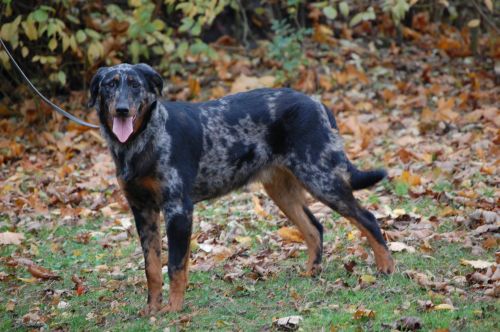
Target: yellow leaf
[(28, 280), (351, 236), (368, 279), (410, 179), (443, 306), (474, 23), (52, 44), (258, 207), (135, 3), (30, 29), (193, 245), (290, 234)]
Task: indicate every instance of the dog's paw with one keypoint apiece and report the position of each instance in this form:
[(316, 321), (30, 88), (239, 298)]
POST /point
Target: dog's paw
[(386, 264), (170, 308), (150, 309), (312, 271)]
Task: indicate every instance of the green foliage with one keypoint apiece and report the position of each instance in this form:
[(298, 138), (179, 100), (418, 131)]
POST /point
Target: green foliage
[(138, 32), (397, 9), (286, 48)]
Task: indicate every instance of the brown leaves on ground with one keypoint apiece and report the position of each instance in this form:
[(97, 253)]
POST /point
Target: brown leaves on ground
[(422, 110), (42, 273)]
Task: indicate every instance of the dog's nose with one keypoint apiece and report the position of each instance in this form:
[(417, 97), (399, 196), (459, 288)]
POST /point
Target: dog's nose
[(122, 111)]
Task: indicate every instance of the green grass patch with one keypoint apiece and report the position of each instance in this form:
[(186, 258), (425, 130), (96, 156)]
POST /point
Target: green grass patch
[(327, 301)]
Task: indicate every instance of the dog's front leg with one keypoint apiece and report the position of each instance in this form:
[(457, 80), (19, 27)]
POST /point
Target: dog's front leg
[(146, 221), (178, 217)]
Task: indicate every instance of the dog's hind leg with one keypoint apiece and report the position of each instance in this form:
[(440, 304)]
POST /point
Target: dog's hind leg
[(333, 189), (286, 191)]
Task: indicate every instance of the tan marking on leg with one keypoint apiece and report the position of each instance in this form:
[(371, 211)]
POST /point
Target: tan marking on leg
[(178, 285), (153, 273), (383, 257), (152, 268), (287, 192)]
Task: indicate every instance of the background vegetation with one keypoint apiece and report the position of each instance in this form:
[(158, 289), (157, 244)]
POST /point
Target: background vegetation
[(67, 40)]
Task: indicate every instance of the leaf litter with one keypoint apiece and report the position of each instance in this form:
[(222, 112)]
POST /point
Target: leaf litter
[(431, 118)]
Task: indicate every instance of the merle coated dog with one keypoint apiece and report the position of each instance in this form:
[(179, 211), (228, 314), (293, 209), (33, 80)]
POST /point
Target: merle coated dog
[(171, 155)]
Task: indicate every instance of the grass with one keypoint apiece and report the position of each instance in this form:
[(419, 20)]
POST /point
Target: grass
[(328, 301)]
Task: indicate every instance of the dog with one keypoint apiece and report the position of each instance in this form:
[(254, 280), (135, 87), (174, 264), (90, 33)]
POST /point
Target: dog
[(171, 155)]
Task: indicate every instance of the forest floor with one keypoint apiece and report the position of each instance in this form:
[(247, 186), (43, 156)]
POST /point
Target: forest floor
[(70, 256)]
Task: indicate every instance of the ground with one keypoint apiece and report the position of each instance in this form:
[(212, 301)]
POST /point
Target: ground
[(71, 260)]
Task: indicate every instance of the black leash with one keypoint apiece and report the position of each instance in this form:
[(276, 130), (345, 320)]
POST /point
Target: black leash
[(45, 99)]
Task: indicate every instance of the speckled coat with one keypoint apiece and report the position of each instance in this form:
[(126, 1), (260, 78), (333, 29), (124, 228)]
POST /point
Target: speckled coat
[(182, 153)]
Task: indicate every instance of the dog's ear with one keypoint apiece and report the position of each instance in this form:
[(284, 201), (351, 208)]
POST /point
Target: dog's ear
[(154, 80), (94, 85)]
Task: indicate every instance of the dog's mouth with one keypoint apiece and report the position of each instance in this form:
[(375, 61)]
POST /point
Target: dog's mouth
[(123, 127)]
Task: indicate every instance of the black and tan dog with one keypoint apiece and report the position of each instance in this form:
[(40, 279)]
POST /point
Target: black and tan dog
[(171, 155)]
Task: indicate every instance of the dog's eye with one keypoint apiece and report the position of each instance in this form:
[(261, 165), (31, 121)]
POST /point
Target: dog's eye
[(134, 84), (111, 84)]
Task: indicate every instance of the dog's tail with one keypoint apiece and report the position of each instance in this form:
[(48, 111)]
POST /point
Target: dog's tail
[(364, 179), (359, 179)]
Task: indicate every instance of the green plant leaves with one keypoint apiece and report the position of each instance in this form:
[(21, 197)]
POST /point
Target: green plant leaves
[(367, 15), (330, 12), (344, 9), (40, 15)]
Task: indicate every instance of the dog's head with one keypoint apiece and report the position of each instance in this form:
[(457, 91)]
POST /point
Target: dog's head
[(122, 95)]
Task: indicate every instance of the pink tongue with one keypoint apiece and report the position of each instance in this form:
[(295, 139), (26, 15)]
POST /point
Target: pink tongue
[(123, 127)]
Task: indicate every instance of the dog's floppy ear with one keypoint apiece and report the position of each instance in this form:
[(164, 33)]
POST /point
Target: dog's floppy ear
[(94, 85), (154, 80)]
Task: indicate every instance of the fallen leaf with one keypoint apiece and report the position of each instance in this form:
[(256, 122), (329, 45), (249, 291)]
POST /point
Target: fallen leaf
[(42, 273), (290, 234), (11, 304), (79, 286), (444, 306), (361, 313), (11, 238), (400, 246), (290, 323), (477, 264), (368, 279)]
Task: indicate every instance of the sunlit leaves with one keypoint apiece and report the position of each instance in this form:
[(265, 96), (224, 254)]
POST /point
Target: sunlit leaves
[(330, 12), (40, 15), (30, 29), (367, 15)]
